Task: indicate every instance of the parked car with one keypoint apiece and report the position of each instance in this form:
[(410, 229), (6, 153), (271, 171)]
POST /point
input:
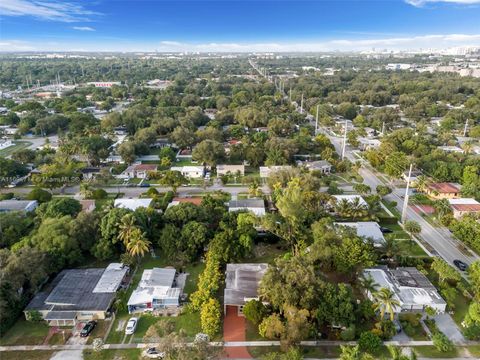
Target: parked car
[(88, 328), (145, 185), (131, 326), (460, 265), (385, 230), (153, 353)]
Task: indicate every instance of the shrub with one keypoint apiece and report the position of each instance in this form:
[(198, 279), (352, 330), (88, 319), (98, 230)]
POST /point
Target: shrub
[(472, 332), (211, 317), (387, 329), (98, 194), (7, 196), (254, 311), (442, 343), (34, 315), (40, 195), (348, 334), (369, 342)]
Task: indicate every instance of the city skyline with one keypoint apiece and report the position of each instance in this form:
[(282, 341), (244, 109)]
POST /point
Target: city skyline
[(235, 26)]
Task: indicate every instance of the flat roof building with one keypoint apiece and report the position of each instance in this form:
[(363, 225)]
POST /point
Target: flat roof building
[(411, 288), (132, 204), (18, 205), (79, 294), (241, 284), (256, 206), (367, 229)]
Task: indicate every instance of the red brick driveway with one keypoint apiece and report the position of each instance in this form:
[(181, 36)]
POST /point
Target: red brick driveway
[(234, 330)]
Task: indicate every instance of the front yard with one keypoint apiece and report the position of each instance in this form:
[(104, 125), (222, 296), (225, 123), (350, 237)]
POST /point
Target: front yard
[(25, 332)]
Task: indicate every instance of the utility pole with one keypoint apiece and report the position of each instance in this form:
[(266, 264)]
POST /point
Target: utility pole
[(301, 106), (316, 121), (344, 139), (405, 202), (465, 129)]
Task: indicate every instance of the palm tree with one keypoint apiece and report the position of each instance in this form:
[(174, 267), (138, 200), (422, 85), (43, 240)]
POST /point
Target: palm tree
[(127, 226), (391, 246), (357, 209), (421, 183), (350, 353), (138, 244), (369, 284), (386, 302), (254, 190)]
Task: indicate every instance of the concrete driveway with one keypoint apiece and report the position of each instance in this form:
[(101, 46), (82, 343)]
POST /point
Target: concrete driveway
[(68, 355), (446, 325)]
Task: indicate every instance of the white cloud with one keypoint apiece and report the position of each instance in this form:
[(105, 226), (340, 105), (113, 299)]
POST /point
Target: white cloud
[(83, 28), (420, 3), (16, 45), (46, 10)]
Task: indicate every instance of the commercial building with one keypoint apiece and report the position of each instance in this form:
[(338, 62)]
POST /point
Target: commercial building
[(241, 284), (79, 295), (256, 206), (443, 190), (18, 205), (464, 206), (157, 290), (411, 288)]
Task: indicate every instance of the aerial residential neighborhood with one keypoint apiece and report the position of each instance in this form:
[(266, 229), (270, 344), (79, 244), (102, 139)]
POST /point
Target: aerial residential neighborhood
[(272, 180)]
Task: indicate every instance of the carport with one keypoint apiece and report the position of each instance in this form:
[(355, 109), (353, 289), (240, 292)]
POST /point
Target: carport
[(61, 318)]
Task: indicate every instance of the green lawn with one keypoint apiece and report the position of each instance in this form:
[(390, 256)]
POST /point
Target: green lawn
[(474, 350), (25, 332), (112, 354), (252, 332), (320, 352), (99, 331), (432, 352), (18, 145), (393, 209), (26, 355)]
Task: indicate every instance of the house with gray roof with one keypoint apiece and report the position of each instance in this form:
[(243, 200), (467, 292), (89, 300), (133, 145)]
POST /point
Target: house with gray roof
[(18, 205), (256, 206), (79, 295), (241, 284)]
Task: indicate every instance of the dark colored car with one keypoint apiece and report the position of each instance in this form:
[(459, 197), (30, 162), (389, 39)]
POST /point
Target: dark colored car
[(385, 230), (460, 265), (88, 328), (145, 185)]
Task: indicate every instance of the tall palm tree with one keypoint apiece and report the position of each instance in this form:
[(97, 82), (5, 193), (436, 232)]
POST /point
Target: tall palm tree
[(369, 284), (350, 353), (386, 302), (254, 190), (138, 244), (421, 183), (357, 209), (127, 226)]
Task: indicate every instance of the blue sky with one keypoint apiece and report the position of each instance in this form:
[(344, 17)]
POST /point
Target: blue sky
[(229, 25)]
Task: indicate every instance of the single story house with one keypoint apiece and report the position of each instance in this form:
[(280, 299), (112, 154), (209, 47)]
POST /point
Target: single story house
[(443, 190), (230, 169), (266, 171), (241, 285), (322, 166), (190, 172), (157, 290), (256, 206), (411, 288), (184, 155), (132, 204), (195, 200), (5, 143), (366, 144), (79, 295), (454, 149), (89, 173), (464, 206), (351, 199), (367, 229), (161, 143), (88, 206), (140, 170), (18, 205)]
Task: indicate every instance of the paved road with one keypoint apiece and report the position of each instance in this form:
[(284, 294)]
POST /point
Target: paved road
[(439, 238)]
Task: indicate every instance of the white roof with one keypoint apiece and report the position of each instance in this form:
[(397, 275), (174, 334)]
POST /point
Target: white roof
[(111, 278), (463, 201), (367, 229), (187, 169), (350, 198), (132, 204), (156, 283)]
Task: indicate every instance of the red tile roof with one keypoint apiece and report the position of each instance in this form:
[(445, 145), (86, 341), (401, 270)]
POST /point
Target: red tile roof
[(466, 207), (197, 200), (146, 167), (444, 188)]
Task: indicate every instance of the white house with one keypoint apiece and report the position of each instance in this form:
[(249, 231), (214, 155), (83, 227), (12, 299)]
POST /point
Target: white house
[(454, 149), (464, 206), (256, 206), (266, 171), (232, 169), (366, 144), (18, 205), (5, 143), (132, 204), (411, 288), (139, 170), (322, 166), (157, 290), (190, 172), (368, 230)]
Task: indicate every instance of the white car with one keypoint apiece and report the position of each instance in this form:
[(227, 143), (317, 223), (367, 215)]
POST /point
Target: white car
[(153, 353), (131, 326)]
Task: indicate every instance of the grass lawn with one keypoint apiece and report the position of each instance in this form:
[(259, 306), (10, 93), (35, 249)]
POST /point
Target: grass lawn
[(251, 333), (99, 331), (266, 253), (59, 338), (393, 209), (18, 145), (432, 352), (321, 352), (110, 354), (25, 332), (474, 350), (258, 351), (461, 308), (190, 323), (26, 355)]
